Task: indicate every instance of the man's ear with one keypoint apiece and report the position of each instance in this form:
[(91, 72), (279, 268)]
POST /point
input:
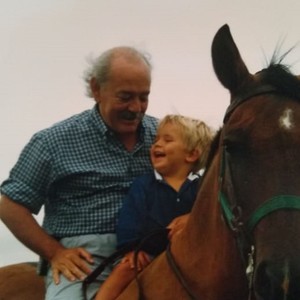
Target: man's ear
[(95, 88), (193, 155)]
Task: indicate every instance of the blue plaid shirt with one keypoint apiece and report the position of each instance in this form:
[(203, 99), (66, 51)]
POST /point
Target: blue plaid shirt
[(80, 172)]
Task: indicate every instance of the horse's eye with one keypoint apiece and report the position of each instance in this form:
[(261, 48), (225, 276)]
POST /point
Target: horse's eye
[(236, 142), (229, 145), (234, 147)]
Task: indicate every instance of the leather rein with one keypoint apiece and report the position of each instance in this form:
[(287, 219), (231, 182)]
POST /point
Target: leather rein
[(232, 213)]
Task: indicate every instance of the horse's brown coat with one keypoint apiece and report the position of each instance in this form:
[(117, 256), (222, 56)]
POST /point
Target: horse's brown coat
[(21, 282)]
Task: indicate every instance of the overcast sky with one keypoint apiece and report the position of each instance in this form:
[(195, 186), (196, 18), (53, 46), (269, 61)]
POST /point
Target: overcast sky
[(44, 46)]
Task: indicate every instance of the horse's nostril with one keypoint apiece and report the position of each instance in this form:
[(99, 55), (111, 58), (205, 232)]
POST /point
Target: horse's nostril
[(268, 282), (277, 281)]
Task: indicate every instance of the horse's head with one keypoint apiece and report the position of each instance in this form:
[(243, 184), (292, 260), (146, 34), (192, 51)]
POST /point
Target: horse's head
[(260, 167)]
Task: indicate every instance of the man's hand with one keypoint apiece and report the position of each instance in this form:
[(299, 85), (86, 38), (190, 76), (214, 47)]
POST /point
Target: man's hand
[(143, 260), (71, 263), (177, 225)]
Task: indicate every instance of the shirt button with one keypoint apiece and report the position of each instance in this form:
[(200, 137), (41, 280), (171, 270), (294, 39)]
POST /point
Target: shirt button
[(178, 200)]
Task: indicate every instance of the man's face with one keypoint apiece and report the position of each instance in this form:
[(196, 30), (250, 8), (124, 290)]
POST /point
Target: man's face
[(123, 99)]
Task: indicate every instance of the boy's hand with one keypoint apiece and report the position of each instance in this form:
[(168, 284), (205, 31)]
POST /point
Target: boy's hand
[(143, 260), (177, 225)]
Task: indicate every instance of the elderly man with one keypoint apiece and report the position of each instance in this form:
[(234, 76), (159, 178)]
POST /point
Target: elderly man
[(80, 169)]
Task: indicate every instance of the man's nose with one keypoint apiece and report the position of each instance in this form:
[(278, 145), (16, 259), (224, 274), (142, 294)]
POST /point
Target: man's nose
[(135, 105)]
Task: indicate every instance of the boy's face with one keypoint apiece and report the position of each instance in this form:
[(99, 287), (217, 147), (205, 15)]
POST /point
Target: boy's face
[(168, 152)]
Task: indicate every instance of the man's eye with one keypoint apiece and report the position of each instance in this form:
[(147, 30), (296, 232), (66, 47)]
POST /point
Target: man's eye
[(124, 97), (144, 98)]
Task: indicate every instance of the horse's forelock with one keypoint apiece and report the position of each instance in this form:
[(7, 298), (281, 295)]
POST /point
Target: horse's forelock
[(279, 76)]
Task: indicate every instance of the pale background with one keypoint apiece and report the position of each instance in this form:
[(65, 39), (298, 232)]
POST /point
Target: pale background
[(44, 46)]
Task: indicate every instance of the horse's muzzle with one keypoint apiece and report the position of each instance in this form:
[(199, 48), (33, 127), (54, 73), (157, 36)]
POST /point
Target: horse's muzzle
[(277, 281)]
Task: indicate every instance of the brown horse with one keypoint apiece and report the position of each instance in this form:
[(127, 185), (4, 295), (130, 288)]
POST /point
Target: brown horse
[(249, 200), (21, 282)]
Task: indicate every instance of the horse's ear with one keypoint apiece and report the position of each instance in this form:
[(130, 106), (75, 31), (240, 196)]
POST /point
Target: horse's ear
[(228, 64)]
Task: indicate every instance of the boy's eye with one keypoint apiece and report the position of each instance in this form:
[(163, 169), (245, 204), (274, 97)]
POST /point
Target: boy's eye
[(168, 140)]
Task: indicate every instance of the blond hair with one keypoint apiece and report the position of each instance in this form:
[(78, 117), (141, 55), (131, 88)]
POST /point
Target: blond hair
[(195, 134)]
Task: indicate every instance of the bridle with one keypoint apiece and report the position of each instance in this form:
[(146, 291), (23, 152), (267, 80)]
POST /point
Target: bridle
[(232, 212)]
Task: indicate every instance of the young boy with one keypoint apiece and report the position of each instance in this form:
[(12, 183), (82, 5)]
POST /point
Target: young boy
[(160, 199)]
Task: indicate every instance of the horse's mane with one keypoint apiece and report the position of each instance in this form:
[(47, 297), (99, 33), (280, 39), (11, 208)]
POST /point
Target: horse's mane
[(212, 151)]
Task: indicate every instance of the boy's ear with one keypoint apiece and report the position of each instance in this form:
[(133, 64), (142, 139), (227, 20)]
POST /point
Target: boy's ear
[(193, 155)]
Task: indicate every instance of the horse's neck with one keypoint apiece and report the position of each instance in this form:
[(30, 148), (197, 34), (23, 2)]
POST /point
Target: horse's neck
[(207, 230), (207, 243), (207, 223)]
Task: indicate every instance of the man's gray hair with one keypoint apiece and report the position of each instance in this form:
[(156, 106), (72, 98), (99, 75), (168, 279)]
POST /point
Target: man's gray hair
[(99, 67)]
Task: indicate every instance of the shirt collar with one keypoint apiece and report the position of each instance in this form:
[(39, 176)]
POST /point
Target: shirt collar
[(192, 176), (98, 121)]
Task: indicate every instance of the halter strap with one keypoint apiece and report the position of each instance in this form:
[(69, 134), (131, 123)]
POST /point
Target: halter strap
[(249, 93), (227, 211), (275, 203)]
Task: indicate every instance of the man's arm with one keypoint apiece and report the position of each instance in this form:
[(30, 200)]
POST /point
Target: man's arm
[(69, 262)]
